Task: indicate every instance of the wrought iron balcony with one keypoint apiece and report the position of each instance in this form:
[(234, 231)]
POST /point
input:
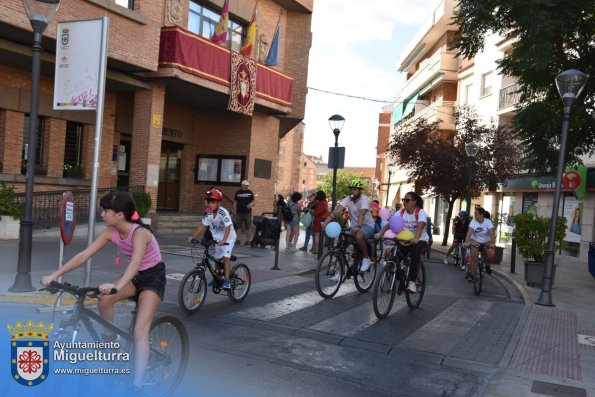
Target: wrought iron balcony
[(509, 96)]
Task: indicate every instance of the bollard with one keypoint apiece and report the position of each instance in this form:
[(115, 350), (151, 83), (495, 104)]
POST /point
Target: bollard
[(513, 256), (279, 217)]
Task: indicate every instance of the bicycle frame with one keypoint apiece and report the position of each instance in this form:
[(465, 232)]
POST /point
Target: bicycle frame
[(205, 262)]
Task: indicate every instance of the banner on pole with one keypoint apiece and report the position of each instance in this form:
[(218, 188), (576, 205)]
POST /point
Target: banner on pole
[(78, 59)]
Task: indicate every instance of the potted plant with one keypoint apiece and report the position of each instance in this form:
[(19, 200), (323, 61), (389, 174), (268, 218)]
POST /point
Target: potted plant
[(10, 213), (499, 220), (143, 204), (531, 232), (73, 171)]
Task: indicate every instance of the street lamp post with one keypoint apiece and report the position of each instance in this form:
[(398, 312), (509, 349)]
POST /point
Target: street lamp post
[(40, 13), (471, 148), (391, 168), (570, 84), (336, 122)]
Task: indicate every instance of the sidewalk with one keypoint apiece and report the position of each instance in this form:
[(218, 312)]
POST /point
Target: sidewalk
[(553, 349)]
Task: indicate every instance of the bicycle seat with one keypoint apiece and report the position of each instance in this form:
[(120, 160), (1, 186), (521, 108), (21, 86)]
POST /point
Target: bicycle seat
[(233, 258)]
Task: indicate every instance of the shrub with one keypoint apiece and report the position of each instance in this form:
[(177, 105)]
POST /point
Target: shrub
[(143, 202), (8, 205), (531, 232)]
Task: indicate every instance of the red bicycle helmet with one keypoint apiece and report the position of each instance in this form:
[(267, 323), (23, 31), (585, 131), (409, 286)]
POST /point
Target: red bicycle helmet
[(214, 195)]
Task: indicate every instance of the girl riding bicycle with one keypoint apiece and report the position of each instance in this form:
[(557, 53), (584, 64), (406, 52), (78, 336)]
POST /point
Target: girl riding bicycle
[(144, 275), (481, 231), (415, 220)]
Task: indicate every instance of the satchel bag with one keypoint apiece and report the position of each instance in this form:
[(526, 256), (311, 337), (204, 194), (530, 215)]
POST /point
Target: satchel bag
[(307, 219)]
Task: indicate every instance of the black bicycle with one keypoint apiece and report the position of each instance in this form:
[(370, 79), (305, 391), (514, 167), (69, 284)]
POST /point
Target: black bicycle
[(459, 256), (476, 278), (168, 338), (340, 263), (393, 278), (193, 287)]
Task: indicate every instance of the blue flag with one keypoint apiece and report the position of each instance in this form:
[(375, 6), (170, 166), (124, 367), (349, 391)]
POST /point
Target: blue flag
[(274, 50)]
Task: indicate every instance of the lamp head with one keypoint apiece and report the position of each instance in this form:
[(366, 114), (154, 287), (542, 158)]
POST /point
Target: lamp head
[(336, 122), (471, 148), (570, 84), (391, 168), (41, 12)]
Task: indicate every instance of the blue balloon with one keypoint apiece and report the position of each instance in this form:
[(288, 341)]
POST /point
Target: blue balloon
[(383, 223), (333, 230)]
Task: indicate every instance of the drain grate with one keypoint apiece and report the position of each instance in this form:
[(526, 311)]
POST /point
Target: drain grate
[(552, 389)]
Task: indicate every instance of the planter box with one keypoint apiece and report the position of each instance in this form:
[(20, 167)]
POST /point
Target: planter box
[(499, 254), (9, 228), (534, 273)]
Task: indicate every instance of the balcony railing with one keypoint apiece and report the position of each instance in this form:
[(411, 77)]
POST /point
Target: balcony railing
[(196, 55), (509, 96)]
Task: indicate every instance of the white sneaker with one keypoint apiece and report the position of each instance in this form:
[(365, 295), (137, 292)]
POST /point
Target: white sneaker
[(411, 287), (335, 277), (365, 265), (446, 261)]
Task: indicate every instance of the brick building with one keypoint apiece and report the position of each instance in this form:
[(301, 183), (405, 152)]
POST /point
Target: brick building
[(166, 126)]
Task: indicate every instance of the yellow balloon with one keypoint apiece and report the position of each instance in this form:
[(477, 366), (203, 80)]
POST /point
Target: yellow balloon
[(405, 235)]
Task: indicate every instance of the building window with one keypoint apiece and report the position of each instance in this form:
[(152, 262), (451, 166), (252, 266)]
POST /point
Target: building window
[(126, 4), (73, 150), (220, 169), (39, 149), (202, 21), (467, 94), (486, 84)]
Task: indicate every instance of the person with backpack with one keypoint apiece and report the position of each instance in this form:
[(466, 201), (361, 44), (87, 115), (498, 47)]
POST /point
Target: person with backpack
[(291, 216), (459, 229), (415, 221)]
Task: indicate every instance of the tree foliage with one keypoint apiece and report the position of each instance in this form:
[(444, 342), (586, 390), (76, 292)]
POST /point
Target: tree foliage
[(343, 178), (550, 36), (439, 164)]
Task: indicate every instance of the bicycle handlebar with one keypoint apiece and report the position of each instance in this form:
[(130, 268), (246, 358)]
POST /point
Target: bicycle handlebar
[(195, 241), (91, 292)]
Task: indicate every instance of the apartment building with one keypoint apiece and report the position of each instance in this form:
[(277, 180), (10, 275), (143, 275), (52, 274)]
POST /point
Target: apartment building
[(166, 126)]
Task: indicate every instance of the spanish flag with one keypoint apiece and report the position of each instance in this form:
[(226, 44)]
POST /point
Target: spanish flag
[(220, 35), (250, 37)]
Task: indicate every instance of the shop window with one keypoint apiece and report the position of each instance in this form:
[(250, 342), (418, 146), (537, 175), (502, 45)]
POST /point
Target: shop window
[(39, 150), (202, 21), (73, 150), (220, 169)]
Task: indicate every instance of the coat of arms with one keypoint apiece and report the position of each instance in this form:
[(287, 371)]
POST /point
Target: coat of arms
[(29, 352)]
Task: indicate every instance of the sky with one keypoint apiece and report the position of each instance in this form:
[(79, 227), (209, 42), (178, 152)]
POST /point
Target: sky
[(354, 51)]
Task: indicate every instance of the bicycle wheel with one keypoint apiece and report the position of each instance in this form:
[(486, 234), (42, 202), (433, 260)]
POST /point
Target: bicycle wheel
[(329, 274), (478, 277), (241, 280), (365, 280), (385, 290), (414, 300), (192, 291), (457, 258), (379, 250), (168, 356)]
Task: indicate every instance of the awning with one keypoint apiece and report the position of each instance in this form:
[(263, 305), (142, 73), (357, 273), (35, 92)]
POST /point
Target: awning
[(397, 113), (410, 104), (433, 83)]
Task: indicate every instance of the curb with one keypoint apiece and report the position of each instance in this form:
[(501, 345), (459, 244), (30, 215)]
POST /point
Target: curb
[(516, 285)]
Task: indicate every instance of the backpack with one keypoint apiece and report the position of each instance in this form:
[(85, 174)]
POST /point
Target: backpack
[(416, 213), (287, 214)]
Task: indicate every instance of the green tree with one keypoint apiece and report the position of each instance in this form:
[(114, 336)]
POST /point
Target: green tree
[(439, 165), (551, 36), (343, 178)]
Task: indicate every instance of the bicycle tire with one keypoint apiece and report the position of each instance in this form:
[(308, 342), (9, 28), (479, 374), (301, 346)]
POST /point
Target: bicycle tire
[(478, 277), (379, 250), (457, 258), (240, 280), (192, 292), (326, 287), (164, 372), (385, 290), (365, 280), (414, 300)]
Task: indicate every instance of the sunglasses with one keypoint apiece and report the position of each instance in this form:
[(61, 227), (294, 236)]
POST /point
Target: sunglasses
[(406, 200)]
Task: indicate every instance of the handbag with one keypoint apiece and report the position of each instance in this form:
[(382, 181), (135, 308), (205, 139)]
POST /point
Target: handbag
[(306, 219)]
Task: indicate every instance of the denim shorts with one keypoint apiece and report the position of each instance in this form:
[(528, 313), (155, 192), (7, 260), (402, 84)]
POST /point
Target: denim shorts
[(152, 279)]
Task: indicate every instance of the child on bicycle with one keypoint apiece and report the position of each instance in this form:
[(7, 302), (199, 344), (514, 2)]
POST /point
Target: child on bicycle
[(415, 220), (221, 226), (481, 232), (144, 275)]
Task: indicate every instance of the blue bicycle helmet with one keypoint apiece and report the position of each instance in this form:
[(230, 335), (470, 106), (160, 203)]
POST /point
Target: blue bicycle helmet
[(463, 213)]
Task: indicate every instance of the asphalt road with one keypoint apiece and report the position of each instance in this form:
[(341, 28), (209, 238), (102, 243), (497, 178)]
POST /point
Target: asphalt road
[(285, 340)]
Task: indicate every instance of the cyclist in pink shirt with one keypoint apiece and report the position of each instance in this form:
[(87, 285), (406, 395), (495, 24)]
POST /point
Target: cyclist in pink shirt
[(144, 275)]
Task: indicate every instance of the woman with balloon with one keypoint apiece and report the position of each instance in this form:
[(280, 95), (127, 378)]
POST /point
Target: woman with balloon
[(413, 218)]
